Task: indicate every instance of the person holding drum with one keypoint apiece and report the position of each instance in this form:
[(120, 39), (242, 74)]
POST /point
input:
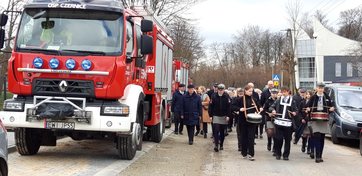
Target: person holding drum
[(219, 109), (249, 118), (283, 110), (268, 117), (319, 106)]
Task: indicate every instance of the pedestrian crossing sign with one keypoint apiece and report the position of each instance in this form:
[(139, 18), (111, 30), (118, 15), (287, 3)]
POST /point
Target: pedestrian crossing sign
[(276, 77)]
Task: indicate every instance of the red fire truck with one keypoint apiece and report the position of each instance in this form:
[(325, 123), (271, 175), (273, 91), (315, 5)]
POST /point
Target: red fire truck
[(88, 69)]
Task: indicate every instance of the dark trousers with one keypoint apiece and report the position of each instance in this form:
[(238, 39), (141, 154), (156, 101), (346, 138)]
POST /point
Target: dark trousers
[(260, 127), (204, 127), (198, 128), (238, 133), (179, 123), (231, 122), (247, 138), (219, 134), (283, 134), (310, 145), (190, 132), (318, 142)]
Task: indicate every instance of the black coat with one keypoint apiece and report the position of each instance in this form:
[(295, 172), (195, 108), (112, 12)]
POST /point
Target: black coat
[(268, 103), (219, 105), (192, 108), (327, 102), (176, 105), (279, 108), (239, 103), (298, 101), (264, 96)]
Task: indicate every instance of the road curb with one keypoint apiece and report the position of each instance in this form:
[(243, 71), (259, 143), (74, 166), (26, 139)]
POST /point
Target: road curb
[(11, 149)]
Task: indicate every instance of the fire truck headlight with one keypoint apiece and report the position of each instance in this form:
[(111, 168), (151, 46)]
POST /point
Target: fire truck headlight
[(11, 105), (38, 62), (70, 64), (115, 110), (86, 64), (54, 63)]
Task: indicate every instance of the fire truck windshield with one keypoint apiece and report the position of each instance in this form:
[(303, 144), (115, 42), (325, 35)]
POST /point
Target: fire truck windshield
[(69, 30)]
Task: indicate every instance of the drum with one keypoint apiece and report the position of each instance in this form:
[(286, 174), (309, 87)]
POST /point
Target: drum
[(283, 122), (253, 118), (322, 116)]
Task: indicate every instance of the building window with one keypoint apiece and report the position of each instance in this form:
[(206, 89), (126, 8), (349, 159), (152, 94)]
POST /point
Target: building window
[(349, 69), (306, 67), (338, 69), (359, 69)]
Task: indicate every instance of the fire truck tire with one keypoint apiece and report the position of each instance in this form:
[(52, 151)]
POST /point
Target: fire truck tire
[(126, 147), (140, 124), (157, 131), (168, 122), (27, 140)]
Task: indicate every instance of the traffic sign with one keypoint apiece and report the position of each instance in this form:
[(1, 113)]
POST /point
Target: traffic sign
[(276, 83), (276, 77)]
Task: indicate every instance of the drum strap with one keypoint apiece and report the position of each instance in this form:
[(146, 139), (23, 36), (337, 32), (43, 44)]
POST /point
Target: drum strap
[(256, 107)]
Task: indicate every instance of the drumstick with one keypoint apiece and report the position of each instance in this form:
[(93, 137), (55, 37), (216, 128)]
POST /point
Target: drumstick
[(250, 108)]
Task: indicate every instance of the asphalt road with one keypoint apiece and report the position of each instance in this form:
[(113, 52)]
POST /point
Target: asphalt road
[(173, 156)]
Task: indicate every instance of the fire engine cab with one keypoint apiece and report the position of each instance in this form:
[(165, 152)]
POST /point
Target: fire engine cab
[(88, 69)]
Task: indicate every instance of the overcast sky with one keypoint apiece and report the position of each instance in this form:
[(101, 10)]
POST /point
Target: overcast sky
[(219, 19)]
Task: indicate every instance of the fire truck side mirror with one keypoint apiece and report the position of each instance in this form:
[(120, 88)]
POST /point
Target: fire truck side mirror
[(146, 25), (3, 19), (146, 44), (2, 38)]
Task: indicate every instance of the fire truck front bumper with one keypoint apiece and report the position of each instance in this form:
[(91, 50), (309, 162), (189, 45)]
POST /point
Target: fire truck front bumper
[(92, 118)]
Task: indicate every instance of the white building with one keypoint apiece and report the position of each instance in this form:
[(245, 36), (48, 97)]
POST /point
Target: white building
[(326, 58)]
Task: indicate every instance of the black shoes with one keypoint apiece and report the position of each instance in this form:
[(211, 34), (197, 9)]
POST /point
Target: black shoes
[(201, 132), (221, 147), (181, 133), (318, 160), (176, 133), (285, 158), (268, 147), (197, 133), (191, 142), (216, 149), (303, 149), (205, 135), (277, 157), (311, 155)]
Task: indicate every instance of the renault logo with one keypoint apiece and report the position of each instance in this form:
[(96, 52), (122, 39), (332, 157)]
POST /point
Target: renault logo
[(63, 86)]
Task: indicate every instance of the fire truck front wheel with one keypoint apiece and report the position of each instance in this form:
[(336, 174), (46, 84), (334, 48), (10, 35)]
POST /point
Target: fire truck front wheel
[(126, 147), (27, 140)]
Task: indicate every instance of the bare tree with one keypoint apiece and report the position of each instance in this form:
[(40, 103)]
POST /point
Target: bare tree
[(13, 5), (168, 10), (188, 43), (351, 24)]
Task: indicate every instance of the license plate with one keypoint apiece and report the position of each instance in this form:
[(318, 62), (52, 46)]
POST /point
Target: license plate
[(60, 125)]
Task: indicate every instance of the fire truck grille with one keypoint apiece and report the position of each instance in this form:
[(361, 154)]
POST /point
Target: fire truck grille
[(58, 87)]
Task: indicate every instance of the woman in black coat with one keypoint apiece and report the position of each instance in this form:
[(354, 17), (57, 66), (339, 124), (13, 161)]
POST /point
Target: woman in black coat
[(191, 111), (247, 104)]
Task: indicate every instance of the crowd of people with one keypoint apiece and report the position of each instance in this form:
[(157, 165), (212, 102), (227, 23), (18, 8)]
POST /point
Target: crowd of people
[(275, 111)]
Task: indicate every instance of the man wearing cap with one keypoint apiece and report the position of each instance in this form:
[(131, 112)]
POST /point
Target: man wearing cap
[(176, 107), (320, 102), (191, 111), (219, 109), (298, 118)]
